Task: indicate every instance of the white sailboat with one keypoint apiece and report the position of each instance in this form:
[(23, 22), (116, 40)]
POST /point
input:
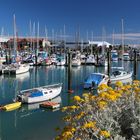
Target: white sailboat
[(120, 73), (16, 67), (40, 94)]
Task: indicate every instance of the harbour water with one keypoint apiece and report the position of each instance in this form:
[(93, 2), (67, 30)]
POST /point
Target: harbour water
[(30, 121)]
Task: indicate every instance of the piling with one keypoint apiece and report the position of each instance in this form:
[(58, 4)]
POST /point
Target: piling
[(69, 73), (108, 60), (97, 57), (135, 64), (66, 57)]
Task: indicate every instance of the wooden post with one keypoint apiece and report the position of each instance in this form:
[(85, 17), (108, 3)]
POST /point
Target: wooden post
[(69, 72), (108, 60), (36, 56), (97, 57), (66, 57), (135, 64)]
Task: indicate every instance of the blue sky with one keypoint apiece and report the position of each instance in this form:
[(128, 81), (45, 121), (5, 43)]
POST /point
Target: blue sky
[(98, 16)]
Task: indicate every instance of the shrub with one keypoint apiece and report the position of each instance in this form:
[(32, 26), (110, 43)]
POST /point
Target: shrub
[(113, 114)]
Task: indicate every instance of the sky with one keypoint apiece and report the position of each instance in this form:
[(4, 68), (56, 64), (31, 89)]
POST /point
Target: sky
[(90, 19)]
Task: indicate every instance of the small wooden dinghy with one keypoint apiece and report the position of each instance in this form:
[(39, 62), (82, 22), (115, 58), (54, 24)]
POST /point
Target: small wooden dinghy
[(50, 105), (12, 106)]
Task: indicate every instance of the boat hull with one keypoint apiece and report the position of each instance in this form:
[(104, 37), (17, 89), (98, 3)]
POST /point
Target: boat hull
[(54, 92), (95, 79), (120, 77)]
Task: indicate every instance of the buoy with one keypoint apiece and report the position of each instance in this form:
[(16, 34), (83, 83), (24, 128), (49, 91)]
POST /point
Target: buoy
[(70, 91)]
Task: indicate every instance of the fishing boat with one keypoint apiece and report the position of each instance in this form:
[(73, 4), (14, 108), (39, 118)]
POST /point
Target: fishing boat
[(12, 106), (95, 79), (39, 94)]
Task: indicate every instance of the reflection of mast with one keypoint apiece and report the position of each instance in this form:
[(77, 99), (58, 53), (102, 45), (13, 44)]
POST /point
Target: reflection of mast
[(18, 86)]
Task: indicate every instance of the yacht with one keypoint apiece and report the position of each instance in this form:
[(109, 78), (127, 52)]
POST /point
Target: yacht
[(90, 59), (95, 79)]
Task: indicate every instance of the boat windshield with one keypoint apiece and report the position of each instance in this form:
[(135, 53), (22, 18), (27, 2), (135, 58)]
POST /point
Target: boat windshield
[(96, 78), (116, 73)]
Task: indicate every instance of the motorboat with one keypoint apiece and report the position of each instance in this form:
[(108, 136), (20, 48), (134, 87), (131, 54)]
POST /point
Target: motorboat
[(39, 94), (90, 59), (76, 62), (95, 79), (120, 75), (61, 62), (83, 59)]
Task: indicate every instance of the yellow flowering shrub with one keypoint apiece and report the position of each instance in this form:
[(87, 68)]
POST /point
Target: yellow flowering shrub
[(77, 98), (104, 133), (119, 84), (105, 116)]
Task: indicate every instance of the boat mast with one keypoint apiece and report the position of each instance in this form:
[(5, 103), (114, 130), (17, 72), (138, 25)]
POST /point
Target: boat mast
[(33, 49), (15, 39), (122, 43), (113, 39), (37, 38), (37, 47), (64, 38), (122, 38), (30, 28)]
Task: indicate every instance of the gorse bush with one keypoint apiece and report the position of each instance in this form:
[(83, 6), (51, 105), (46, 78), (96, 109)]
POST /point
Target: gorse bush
[(113, 114)]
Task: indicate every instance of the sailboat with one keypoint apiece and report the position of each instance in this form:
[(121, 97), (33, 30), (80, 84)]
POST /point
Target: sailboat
[(120, 73)]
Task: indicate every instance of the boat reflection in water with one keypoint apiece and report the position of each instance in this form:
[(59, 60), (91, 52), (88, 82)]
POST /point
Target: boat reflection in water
[(28, 109), (19, 77)]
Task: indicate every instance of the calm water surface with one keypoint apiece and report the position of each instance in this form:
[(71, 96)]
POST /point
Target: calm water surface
[(30, 122)]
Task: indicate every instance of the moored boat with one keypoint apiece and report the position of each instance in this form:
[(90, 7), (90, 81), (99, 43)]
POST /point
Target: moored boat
[(22, 68), (120, 75), (12, 106), (40, 94), (95, 79), (50, 104), (76, 62)]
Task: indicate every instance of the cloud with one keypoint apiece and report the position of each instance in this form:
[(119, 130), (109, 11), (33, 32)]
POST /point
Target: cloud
[(127, 36)]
